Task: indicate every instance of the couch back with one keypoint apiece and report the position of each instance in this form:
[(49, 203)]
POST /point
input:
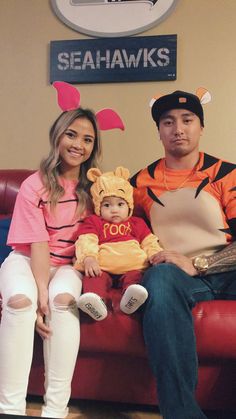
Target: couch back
[(10, 181)]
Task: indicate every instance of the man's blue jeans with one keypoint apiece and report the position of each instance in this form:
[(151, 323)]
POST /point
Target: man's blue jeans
[(169, 333)]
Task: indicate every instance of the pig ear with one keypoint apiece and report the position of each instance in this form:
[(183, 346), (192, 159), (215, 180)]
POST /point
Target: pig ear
[(204, 95), (93, 174), (109, 119), (68, 97)]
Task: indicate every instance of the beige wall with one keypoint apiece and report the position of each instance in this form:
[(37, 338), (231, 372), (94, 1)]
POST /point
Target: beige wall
[(206, 57)]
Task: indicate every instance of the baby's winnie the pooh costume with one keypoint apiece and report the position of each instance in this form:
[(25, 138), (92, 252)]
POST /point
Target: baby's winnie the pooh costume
[(122, 248)]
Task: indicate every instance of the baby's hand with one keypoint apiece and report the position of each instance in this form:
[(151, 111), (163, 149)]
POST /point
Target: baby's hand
[(91, 267)]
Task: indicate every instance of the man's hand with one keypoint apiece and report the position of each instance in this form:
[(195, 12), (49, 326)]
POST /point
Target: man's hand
[(91, 267), (169, 256)]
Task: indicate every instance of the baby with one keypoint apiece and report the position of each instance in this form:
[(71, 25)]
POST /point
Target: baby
[(113, 246)]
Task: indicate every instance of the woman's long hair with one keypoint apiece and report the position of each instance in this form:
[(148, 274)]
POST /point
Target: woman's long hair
[(50, 166)]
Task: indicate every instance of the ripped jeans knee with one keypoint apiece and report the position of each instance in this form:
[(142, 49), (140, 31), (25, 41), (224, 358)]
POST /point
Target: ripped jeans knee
[(19, 302), (63, 302)]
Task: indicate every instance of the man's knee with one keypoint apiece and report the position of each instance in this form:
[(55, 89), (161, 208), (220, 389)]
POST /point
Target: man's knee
[(165, 284), (164, 273)]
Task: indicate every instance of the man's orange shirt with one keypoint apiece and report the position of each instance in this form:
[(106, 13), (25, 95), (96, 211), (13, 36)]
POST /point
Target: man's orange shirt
[(192, 212)]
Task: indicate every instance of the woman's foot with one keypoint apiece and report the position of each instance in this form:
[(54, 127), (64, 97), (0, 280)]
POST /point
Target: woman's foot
[(91, 304), (134, 296)]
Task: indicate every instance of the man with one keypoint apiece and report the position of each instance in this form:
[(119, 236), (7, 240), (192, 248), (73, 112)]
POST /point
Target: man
[(189, 198)]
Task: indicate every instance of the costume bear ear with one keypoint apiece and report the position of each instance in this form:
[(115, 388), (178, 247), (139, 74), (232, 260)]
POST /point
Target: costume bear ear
[(93, 174), (204, 95), (122, 172)]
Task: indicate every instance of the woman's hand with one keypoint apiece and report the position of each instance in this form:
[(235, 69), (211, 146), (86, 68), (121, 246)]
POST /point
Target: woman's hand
[(40, 265), (91, 267), (42, 314), (170, 256), (41, 327), (43, 300)]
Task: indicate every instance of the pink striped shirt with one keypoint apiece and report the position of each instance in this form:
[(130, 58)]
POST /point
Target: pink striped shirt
[(32, 220)]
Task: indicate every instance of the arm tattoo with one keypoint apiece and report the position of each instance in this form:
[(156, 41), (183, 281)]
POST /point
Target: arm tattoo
[(222, 261)]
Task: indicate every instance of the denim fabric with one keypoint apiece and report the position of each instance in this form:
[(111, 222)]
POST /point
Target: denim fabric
[(169, 333)]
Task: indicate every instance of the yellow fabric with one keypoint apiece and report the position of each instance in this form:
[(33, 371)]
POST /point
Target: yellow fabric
[(110, 184), (150, 245), (118, 257), (86, 245)]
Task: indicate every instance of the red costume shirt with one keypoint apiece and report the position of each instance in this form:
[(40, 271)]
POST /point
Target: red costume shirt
[(119, 248)]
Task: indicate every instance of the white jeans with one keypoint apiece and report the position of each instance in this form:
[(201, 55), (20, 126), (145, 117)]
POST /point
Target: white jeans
[(17, 335)]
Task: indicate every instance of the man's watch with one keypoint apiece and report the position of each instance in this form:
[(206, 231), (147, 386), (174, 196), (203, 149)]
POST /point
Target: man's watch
[(201, 264)]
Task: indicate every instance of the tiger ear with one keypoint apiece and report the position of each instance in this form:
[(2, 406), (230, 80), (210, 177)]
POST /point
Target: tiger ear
[(203, 95), (93, 174), (153, 100), (122, 172)]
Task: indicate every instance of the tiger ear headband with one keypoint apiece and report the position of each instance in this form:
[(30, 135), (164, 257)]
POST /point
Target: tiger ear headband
[(68, 98), (180, 100), (203, 95)]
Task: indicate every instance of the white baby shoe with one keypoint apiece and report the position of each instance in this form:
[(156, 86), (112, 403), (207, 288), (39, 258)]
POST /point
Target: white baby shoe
[(134, 296), (93, 305)]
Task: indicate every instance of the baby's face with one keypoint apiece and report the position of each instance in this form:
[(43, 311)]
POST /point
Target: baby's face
[(114, 209)]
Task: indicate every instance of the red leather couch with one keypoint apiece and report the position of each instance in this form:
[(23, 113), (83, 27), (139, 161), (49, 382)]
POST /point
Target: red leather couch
[(112, 363)]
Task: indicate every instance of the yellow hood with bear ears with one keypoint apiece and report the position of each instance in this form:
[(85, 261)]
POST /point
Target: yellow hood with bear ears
[(110, 184)]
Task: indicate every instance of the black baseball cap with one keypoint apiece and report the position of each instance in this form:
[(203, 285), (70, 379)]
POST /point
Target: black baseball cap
[(177, 100)]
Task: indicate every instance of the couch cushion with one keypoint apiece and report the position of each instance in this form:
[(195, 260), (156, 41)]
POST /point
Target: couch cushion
[(117, 334), (214, 321), (215, 327), (4, 249)]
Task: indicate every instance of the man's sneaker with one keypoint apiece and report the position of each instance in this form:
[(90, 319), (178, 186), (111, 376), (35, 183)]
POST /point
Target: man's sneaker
[(93, 305), (134, 296)]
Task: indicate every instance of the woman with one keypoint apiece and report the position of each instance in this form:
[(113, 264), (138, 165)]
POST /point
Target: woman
[(38, 277)]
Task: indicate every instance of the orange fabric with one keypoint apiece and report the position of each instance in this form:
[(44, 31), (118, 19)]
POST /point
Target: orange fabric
[(181, 218)]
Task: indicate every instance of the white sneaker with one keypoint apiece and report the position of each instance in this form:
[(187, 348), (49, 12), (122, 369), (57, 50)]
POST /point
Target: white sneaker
[(134, 296), (93, 305)]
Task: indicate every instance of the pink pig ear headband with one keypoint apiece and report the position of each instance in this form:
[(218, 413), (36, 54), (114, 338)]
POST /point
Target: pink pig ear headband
[(69, 99)]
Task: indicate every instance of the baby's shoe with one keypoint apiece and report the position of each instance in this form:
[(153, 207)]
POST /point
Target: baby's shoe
[(134, 296), (93, 305)]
